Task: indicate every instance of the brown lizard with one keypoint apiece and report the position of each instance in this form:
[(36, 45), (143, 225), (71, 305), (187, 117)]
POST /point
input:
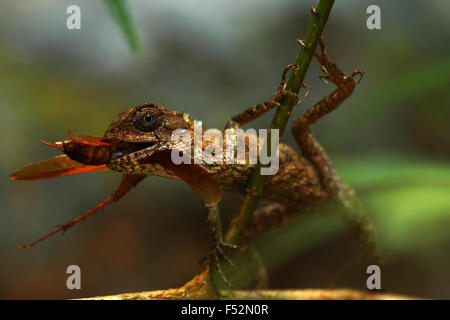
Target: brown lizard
[(138, 143)]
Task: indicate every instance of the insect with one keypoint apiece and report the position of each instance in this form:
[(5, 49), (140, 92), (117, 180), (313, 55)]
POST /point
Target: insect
[(138, 144)]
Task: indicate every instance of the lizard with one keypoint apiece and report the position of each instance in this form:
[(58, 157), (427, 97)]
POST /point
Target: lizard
[(138, 143)]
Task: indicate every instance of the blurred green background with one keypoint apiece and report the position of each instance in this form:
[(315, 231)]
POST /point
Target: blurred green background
[(390, 140)]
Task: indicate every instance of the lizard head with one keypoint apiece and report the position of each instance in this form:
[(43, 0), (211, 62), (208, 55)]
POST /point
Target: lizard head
[(146, 133), (143, 131), (147, 123)]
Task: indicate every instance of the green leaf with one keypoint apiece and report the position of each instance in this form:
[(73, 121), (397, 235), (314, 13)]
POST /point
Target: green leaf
[(122, 16)]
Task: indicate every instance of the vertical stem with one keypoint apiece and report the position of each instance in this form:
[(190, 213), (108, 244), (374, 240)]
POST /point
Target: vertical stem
[(254, 190)]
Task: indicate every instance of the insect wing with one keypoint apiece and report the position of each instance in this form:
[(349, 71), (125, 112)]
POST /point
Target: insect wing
[(55, 167)]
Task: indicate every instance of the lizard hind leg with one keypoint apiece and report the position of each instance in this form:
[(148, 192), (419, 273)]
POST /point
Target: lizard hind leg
[(301, 127), (350, 207), (127, 183)]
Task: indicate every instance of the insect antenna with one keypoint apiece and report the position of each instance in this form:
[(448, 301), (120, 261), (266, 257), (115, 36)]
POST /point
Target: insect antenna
[(53, 145)]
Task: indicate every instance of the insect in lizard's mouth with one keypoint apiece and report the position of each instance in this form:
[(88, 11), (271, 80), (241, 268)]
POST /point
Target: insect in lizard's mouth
[(92, 150)]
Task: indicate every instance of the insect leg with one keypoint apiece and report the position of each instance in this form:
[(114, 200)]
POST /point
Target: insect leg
[(127, 183)]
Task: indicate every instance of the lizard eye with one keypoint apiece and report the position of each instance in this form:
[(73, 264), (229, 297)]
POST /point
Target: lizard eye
[(146, 121), (148, 118)]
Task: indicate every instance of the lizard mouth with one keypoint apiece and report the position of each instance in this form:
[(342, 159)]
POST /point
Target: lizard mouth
[(91, 150), (127, 148)]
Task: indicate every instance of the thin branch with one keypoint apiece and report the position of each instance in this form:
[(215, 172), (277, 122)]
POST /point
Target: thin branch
[(250, 200), (198, 288), (303, 294)]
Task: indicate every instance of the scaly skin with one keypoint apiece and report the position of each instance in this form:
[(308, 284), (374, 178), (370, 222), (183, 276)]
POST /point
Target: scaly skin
[(297, 180)]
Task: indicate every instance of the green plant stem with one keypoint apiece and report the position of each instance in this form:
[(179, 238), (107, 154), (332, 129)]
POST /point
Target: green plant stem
[(250, 200)]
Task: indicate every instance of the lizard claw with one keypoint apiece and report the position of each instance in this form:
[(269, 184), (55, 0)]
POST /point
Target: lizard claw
[(324, 78), (231, 124), (228, 245), (306, 87), (219, 249), (215, 256), (359, 73)]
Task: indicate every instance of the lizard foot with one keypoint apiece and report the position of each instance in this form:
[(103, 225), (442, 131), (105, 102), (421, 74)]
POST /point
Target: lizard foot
[(215, 259)]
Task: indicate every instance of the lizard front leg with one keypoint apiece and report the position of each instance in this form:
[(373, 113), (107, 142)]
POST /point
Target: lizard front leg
[(215, 228), (259, 109)]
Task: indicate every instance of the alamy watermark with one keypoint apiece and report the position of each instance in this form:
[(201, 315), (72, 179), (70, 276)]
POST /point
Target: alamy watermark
[(73, 21), (374, 280), (373, 22), (232, 146), (74, 280)]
